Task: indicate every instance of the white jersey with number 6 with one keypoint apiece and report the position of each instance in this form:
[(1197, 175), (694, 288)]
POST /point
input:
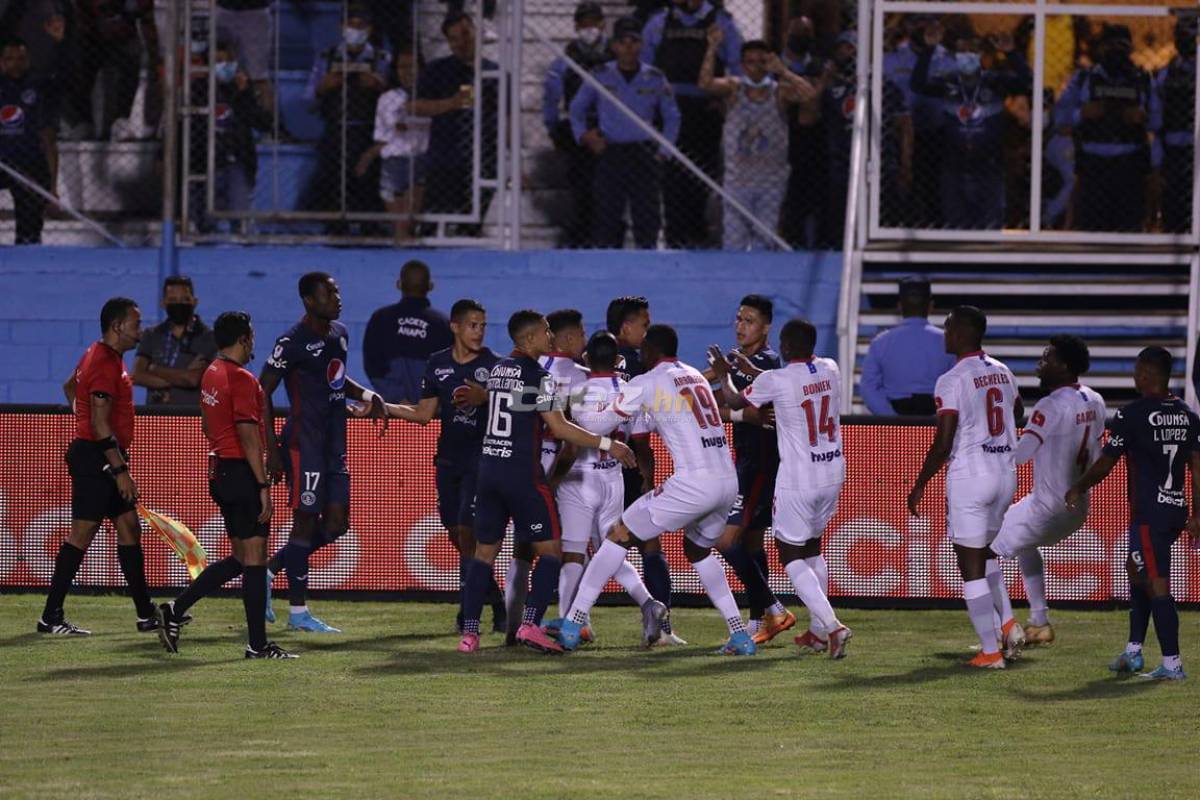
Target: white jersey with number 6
[(982, 392), (807, 398), (680, 407)]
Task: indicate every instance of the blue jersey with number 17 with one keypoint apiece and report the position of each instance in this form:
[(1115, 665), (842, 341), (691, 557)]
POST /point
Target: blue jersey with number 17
[(1157, 436), (519, 390)]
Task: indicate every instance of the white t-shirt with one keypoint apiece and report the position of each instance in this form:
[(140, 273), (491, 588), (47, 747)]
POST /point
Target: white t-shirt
[(807, 397), (982, 392), (1069, 424), (391, 110), (679, 405), (592, 409), (569, 379)]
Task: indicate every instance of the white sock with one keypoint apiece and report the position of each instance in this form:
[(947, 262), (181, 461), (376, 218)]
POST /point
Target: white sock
[(753, 625), (808, 589), (631, 582), (604, 564), (1173, 662), (568, 582), (712, 575), (1133, 648), (821, 570), (516, 587), (1000, 601), (978, 595), (1033, 574), (777, 609), (298, 609)]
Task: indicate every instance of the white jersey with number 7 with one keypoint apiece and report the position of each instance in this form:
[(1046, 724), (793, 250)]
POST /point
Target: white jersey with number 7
[(807, 396), (982, 392), (678, 404)]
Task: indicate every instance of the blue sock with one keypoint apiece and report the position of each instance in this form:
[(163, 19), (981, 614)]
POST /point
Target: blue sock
[(295, 561), (1166, 624), (1139, 614), (542, 587), (752, 578), (475, 588), (658, 576)]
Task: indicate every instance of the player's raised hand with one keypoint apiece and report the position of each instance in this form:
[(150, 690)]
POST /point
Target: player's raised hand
[(914, 499), (621, 452), (716, 360), (469, 394)]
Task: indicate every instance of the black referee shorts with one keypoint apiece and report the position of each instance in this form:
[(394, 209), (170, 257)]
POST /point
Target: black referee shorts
[(235, 491), (94, 495)]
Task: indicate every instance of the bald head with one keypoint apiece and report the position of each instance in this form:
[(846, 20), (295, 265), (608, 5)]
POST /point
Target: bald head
[(415, 279)]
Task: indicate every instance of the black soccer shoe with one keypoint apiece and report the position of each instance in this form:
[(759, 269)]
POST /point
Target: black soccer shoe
[(151, 624), (499, 619), (272, 650), (61, 628), (168, 627)]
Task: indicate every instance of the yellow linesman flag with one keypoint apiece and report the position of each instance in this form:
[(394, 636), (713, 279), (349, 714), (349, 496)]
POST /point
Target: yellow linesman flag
[(179, 538)]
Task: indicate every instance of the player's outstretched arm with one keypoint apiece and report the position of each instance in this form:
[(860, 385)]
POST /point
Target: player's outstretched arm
[(720, 368), (1097, 472), (568, 431), (420, 414), (935, 459), (356, 391)]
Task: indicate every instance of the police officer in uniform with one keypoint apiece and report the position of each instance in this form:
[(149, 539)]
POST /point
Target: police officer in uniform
[(28, 122), (675, 42), (589, 49), (345, 85), (1173, 119), (1107, 106), (628, 160)]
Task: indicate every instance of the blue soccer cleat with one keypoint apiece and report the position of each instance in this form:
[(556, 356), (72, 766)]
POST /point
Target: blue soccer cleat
[(1163, 673), (305, 621), (1127, 662), (552, 627), (739, 644), (570, 634), (270, 615)]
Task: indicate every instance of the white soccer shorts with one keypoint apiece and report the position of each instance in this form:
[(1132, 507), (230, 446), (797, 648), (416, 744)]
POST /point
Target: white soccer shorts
[(800, 515), (698, 502), (1033, 523), (588, 509), (975, 507)]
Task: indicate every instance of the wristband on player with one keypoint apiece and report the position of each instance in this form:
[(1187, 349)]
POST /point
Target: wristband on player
[(737, 415), (605, 444), (109, 444), (368, 396), (114, 471)]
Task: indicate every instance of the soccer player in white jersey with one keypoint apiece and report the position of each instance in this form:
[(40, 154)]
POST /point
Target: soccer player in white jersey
[(1063, 438), (678, 404), (591, 490), (977, 406), (806, 394)]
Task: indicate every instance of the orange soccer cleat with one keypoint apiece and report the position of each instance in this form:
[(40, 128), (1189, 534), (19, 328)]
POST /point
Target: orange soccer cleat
[(773, 625), (987, 661)]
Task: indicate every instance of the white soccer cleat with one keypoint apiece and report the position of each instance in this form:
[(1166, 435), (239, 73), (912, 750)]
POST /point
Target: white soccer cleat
[(669, 640), (1013, 639)]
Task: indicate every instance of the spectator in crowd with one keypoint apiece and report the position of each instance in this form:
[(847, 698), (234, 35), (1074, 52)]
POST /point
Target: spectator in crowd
[(807, 192), (28, 121), (589, 49), (755, 136), (42, 24), (400, 337), (344, 87), (675, 42), (113, 36), (173, 355), (249, 27), (1108, 108), (446, 92), (401, 138), (236, 115), (972, 123), (394, 20), (628, 159), (904, 363), (1058, 168), (838, 98), (1173, 122)]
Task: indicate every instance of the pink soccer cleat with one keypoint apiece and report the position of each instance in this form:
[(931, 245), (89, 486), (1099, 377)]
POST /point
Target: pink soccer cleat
[(810, 642), (469, 643), (534, 637), (837, 641)]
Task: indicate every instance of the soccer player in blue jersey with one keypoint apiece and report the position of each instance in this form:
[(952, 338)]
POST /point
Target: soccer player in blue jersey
[(628, 319), (452, 389), (512, 484), (756, 456), (310, 360), (1159, 436)]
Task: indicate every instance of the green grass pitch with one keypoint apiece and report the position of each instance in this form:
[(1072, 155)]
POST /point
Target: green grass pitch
[(389, 709)]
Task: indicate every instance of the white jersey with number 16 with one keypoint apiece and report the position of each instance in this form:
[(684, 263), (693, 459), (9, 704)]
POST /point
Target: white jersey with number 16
[(983, 393)]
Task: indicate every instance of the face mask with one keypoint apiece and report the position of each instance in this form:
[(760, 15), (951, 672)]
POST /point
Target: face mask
[(1115, 60), (589, 36), (799, 44), (763, 84), (968, 63), (354, 37), (180, 313), (226, 71)]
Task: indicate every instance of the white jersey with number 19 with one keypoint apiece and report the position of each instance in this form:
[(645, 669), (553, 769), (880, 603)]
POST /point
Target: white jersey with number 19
[(983, 393), (807, 396)]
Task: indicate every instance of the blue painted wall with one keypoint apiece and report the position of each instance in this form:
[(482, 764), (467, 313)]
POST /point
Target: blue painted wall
[(50, 298)]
